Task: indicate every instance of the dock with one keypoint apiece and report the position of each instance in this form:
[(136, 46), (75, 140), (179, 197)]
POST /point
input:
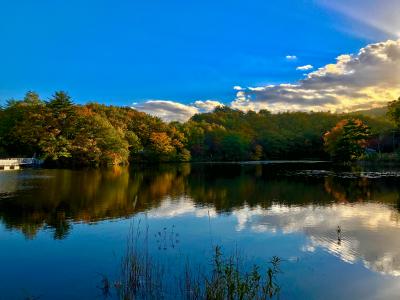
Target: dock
[(17, 163)]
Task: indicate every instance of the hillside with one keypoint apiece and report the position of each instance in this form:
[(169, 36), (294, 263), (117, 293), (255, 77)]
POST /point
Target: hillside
[(373, 112)]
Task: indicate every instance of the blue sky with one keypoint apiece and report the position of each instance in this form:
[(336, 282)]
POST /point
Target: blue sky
[(124, 52)]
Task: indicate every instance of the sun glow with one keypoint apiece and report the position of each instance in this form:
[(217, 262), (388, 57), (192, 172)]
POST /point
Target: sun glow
[(383, 17)]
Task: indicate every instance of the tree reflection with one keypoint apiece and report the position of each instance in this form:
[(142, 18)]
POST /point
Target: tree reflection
[(56, 199)]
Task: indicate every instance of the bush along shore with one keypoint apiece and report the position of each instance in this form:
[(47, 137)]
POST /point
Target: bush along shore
[(66, 134)]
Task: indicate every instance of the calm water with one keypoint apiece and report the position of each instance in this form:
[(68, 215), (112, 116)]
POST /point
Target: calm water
[(61, 229)]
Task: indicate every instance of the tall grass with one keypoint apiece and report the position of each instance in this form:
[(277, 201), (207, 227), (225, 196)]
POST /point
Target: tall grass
[(142, 277), (146, 276), (228, 280)]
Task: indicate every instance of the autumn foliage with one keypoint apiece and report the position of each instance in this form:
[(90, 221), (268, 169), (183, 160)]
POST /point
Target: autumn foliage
[(347, 140), (67, 134), (62, 133)]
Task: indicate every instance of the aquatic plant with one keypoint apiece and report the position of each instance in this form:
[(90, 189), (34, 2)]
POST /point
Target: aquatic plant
[(145, 276), (229, 281)]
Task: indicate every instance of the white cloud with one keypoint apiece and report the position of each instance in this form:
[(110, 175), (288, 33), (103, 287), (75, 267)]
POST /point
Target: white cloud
[(367, 79), (207, 105), (168, 110), (305, 68), (291, 57), (175, 111)]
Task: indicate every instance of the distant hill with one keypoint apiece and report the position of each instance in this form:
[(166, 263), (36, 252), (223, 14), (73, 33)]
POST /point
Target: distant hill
[(373, 112)]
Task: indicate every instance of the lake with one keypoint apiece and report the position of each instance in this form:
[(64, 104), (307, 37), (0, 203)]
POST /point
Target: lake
[(62, 230)]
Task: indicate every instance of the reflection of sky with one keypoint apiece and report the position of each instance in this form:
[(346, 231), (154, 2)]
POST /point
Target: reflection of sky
[(370, 231), (299, 226), (304, 236), (170, 208)]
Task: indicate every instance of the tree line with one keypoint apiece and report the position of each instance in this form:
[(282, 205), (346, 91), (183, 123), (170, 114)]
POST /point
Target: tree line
[(67, 134)]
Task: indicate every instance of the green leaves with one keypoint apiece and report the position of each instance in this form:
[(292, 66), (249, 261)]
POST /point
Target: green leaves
[(394, 111), (347, 140), (66, 134), (95, 134)]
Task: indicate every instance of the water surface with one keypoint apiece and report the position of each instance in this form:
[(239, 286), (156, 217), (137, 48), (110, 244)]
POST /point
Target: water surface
[(61, 229)]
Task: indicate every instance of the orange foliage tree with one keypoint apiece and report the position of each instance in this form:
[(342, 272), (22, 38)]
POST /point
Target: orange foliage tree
[(347, 140)]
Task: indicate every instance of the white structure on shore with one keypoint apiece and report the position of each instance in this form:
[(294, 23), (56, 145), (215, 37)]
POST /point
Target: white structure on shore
[(16, 163)]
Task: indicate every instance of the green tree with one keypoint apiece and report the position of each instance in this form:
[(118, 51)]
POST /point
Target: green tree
[(24, 125), (394, 111), (60, 101), (96, 141), (347, 140), (234, 147), (93, 134), (135, 146)]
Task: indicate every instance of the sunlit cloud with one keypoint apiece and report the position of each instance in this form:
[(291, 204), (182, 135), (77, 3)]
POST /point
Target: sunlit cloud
[(367, 79), (167, 110), (305, 68), (207, 105), (174, 111)]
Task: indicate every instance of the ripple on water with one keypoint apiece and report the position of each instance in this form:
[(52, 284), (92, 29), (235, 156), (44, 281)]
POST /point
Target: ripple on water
[(346, 175)]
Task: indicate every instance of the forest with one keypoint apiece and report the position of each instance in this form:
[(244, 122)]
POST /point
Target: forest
[(66, 134)]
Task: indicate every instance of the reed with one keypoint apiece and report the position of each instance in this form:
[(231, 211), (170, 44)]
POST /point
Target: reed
[(144, 276)]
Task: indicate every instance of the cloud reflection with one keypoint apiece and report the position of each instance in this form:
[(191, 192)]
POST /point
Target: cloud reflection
[(370, 231), (170, 208)]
